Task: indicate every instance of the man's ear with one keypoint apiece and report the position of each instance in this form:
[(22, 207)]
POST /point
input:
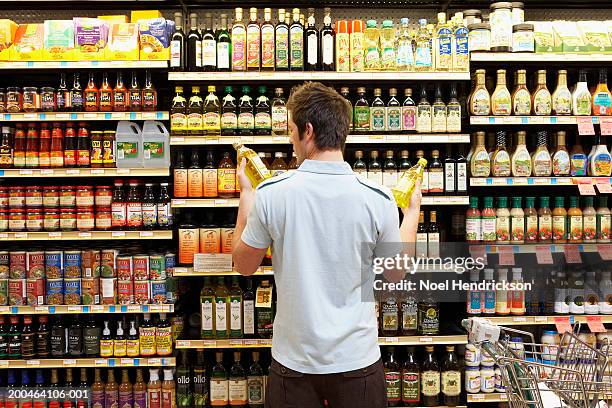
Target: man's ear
[(309, 132)]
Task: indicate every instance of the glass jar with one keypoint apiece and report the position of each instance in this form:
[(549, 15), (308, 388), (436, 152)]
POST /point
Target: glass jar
[(17, 220), (51, 220), (472, 355), (487, 380), (522, 38), (51, 197), (68, 220), (16, 197), (34, 197), (472, 16), (103, 218), (518, 12), (472, 380), (85, 219), (104, 196), (48, 103), (4, 197), (85, 196), (499, 381), (501, 26), (550, 345), (516, 344), (13, 99), (4, 217), (67, 196), (480, 37), (2, 100), (31, 99), (34, 220)]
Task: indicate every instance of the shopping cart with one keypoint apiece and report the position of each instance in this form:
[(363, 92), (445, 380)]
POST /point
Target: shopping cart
[(571, 374)]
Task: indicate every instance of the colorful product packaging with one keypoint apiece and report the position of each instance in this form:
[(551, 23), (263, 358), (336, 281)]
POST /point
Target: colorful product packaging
[(28, 43), (91, 37), (154, 39), (123, 42), (58, 40)]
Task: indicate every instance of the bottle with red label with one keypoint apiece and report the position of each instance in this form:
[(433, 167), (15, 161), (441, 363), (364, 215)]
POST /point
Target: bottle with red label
[(135, 95), (106, 94), (154, 389), (32, 146), (149, 208), (44, 152), (56, 154), (149, 94), (91, 95), (120, 95), (70, 145), (119, 207), (19, 147), (83, 146), (134, 206), (392, 379)]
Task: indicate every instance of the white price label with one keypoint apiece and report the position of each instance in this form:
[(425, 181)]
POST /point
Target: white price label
[(178, 202), (117, 234), (21, 236), (70, 362), (90, 116), (62, 116), (221, 202), (100, 363), (391, 339), (76, 309), (46, 172), (26, 172), (154, 361), (425, 339), (127, 361), (41, 309), (123, 171), (146, 234), (519, 319), (84, 234), (235, 342), (73, 171), (97, 171), (33, 362), (55, 235)]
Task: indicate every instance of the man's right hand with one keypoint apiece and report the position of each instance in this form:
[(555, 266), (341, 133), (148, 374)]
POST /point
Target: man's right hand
[(245, 184), (415, 200)]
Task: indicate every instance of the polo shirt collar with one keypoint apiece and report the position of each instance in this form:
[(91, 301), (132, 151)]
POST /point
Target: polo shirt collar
[(326, 167)]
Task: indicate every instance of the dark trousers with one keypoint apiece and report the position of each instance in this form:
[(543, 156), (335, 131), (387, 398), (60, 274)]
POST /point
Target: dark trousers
[(362, 388)]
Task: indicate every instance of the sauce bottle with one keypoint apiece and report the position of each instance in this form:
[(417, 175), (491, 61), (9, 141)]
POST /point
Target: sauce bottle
[(531, 220), (541, 160), (559, 220), (578, 160), (581, 97), (209, 176), (120, 95), (106, 94), (502, 225), (517, 221), (27, 339), (97, 388), (135, 94), (149, 94), (501, 165), (56, 155), (119, 207), (575, 218), (604, 223), (163, 336), (521, 98), (126, 398), (111, 390), (600, 160), (119, 349), (178, 113), (180, 176), (132, 343), (430, 379), (139, 390), (489, 221), (589, 221), (263, 118), (189, 241), (134, 206), (602, 100), (521, 160), (438, 117), (70, 146), (480, 163), (226, 177), (168, 390), (408, 111), (545, 221), (502, 301), (542, 100), (44, 152), (32, 146), (91, 95), (147, 337), (62, 95), (149, 208), (480, 100), (154, 389), (562, 97), (108, 149), (77, 102), (83, 147), (6, 149), (165, 218), (42, 338), (501, 100), (91, 338), (96, 149), (517, 307)]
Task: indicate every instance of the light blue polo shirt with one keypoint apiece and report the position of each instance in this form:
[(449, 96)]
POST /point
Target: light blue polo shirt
[(316, 220)]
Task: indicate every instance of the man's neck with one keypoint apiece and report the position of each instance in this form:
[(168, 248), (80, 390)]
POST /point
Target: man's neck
[(327, 155)]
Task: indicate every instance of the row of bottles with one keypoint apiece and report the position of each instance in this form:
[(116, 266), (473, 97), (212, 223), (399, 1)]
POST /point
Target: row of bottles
[(447, 176), (520, 225), (499, 161), (581, 101), (405, 315), (295, 43)]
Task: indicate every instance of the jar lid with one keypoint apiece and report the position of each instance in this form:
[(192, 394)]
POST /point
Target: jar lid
[(66, 210), (517, 4), (16, 188), (67, 187), (30, 89), (50, 187), (13, 89), (522, 27), (472, 368), (549, 332), (103, 187), (516, 339), (16, 210), (47, 89), (471, 13), (479, 26), (84, 187), (501, 5), (102, 209)]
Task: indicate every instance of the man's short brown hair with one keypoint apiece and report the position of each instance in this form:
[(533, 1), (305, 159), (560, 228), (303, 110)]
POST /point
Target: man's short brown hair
[(325, 109)]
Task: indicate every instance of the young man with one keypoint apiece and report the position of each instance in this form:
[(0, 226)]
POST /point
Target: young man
[(317, 220)]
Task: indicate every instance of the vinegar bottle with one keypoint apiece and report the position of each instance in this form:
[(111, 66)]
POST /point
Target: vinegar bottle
[(168, 390), (154, 389)]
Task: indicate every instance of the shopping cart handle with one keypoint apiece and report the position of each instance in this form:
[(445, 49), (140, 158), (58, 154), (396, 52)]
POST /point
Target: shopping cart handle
[(481, 330)]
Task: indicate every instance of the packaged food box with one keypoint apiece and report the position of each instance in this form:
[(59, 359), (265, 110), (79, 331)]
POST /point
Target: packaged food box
[(28, 43), (8, 28), (114, 19), (546, 40), (137, 15), (91, 37), (154, 39), (609, 29), (59, 40), (567, 32), (595, 36), (123, 42)]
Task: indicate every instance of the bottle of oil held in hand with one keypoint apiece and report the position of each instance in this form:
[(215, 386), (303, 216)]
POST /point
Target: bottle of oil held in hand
[(407, 180), (255, 169)]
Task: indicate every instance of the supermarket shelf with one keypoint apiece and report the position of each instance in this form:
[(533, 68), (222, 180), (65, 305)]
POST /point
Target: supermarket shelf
[(318, 76), (384, 341), (85, 309), (365, 138), (536, 181), (233, 202), (91, 235), (531, 248), (183, 271), (81, 64), (542, 320), (534, 57), (106, 172), (90, 362), (531, 120), (61, 116), (493, 397)]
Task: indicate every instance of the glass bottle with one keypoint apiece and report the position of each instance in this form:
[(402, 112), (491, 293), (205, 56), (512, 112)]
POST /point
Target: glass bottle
[(239, 42), (521, 159), (393, 380), (517, 221), (389, 170), (500, 160), (255, 383), (531, 220), (194, 45), (451, 378), (578, 159), (424, 113), (62, 95), (393, 112), (149, 94), (105, 96), (267, 42), (450, 172), (238, 394), (219, 383), (375, 168), (279, 114), (559, 221), (246, 118), (405, 53), (212, 113), (436, 174), (253, 40), (281, 42), (581, 97), (77, 102), (408, 309), (480, 100), (541, 99), (224, 45), (521, 98), (438, 119), (562, 97), (602, 100), (453, 112), (574, 221), (430, 379), (296, 43), (411, 381), (561, 158), (545, 221), (589, 220), (428, 315), (229, 118), (209, 45), (311, 35), (540, 159), (135, 94), (359, 166), (377, 112), (372, 46), (328, 40), (226, 177), (195, 122), (263, 119), (209, 176), (178, 52), (91, 95), (409, 111), (604, 220), (502, 221), (149, 208), (361, 115), (120, 95), (423, 51), (501, 100)]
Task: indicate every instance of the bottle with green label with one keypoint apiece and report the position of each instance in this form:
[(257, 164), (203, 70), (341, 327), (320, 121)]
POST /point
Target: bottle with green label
[(393, 112), (207, 302), (377, 112), (235, 309), (361, 111), (263, 119), (129, 145), (246, 118), (222, 312)]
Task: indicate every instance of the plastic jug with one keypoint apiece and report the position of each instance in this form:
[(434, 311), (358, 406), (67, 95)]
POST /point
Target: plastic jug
[(156, 145), (128, 145)]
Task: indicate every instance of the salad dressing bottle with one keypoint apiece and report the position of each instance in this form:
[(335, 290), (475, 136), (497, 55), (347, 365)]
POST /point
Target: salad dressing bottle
[(581, 97), (480, 163), (578, 159), (501, 100), (575, 218), (602, 100), (542, 100), (517, 221), (502, 224), (531, 220), (604, 220), (559, 221), (561, 158), (541, 161), (501, 166), (589, 221), (599, 160), (521, 98), (562, 97), (480, 100), (521, 160), (545, 221)]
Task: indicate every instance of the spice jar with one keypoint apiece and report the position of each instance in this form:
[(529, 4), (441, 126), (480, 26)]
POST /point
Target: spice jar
[(103, 218), (67, 196), (34, 220), (85, 220), (51, 197), (472, 16), (13, 99), (51, 220), (104, 196), (17, 219), (518, 12), (16, 197), (4, 216), (522, 38), (85, 196), (501, 26), (4, 197), (2, 100), (34, 197), (68, 219), (48, 103), (480, 37), (31, 99)]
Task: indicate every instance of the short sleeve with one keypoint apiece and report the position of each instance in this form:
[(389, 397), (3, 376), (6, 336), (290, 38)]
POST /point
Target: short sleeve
[(389, 242), (256, 233)]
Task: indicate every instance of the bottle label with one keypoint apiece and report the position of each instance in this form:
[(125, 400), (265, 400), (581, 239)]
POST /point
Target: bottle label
[(409, 315), (279, 119), (377, 118), (223, 55), (140, 399), (575, 227), (209, 53), (296, 38), (542, 102), (212, 121), (481, 102), (267, 47), (444, 49), (263, 121), (226, 181), (375, 176), (221, 315), (163, 341), (153, 398), (583, 103), (561, 163), (238, 49), (542, 163), (601, 165), (147, 341), (453, 119), (423, 57), (328, 50), (253, 46), (229, 120), (531, 229), (461, 177), (559, 227), (127, 150), (249, 317), (175, 54), (411, 391), (461, 61), (489, 302), (246, 120), (502, 227), (502, 166), (255, 385), (390, 178), (132, 347), (362, 117), (472, 229), (235, 317), (313, 49), (408, 117), (134, 214), (210, 182), (518, 228), (282, 48), (423, 119), (394, 385), (604, 222), (562, 102), (502, 103), (238, 392), (343, 52), (451, 383), (356, 45), (429, 320), (436, 181), (521, 163), (194, 121), (521, 104), (164, 214), (394, 118), (602, 103), (207, 317), (154, 150), (449, 177), (430, 383), (578, 164), (589, 227)]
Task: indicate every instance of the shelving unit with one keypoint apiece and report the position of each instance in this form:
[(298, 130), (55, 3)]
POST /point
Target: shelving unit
[(104, 172), (85, 309), (91, 235), (545, 320), (263, 76), (18, 65), (534, 120), (83, 116), (373, 138), (90, 362)]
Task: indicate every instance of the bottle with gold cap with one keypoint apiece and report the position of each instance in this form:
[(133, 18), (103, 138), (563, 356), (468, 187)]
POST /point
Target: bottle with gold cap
[(239, 43), (195, 123), (253, 41), (255, 169), (296, 43), (267, 42), (407, 182), (212, 113)]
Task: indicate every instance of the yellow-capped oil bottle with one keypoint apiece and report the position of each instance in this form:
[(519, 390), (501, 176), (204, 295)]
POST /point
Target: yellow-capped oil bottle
[(255, 169), (406, 183)]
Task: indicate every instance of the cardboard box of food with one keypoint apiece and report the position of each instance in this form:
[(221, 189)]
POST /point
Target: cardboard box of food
[(91, 38), (123, 42), (7, 36), (567, 32), (595, 36), (28, 43), (546, 40), (114, 19), (137, 15), (154, 39), (58, 40)]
